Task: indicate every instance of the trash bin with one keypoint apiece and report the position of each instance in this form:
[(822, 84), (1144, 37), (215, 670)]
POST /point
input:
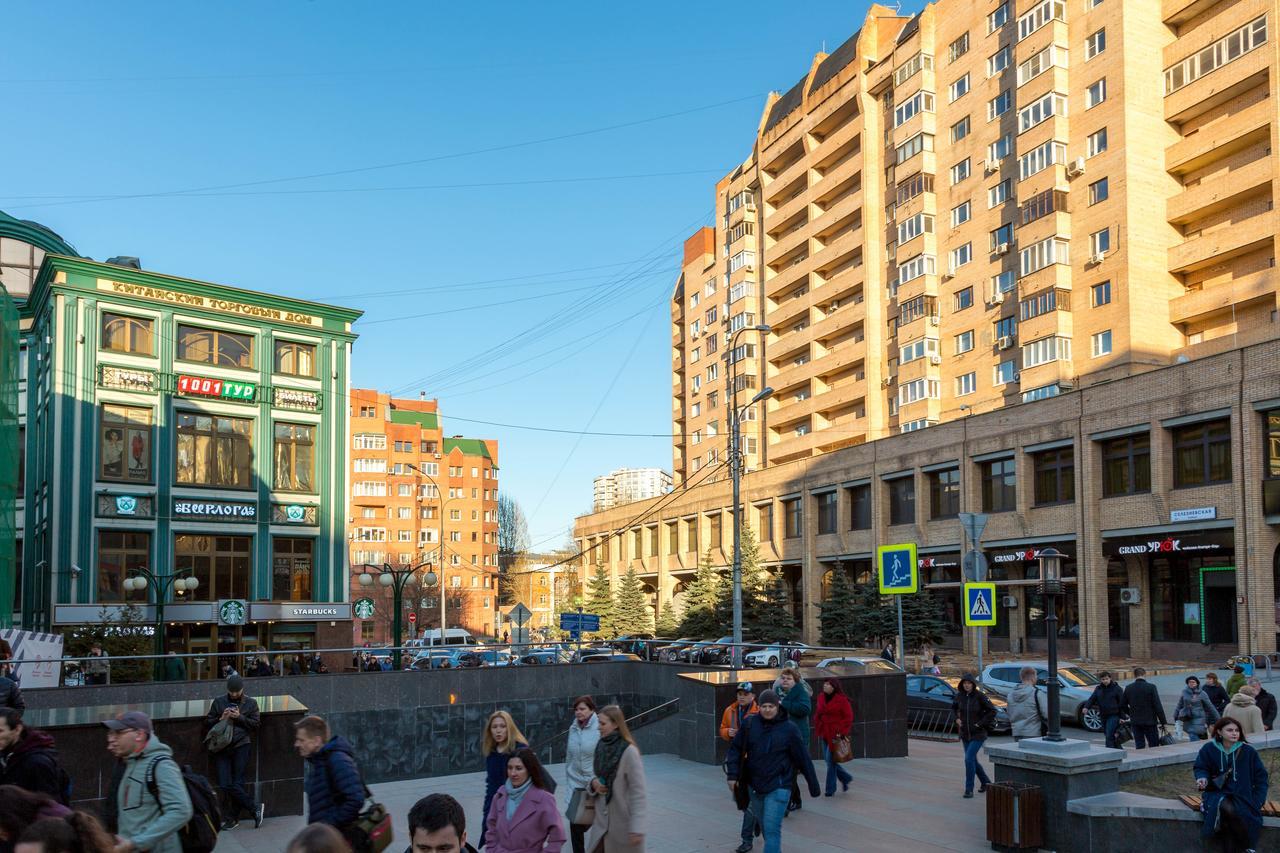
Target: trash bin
[(1015, 816)]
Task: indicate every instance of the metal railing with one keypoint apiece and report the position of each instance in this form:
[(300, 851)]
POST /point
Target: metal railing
[(634, 722), (932, 724)]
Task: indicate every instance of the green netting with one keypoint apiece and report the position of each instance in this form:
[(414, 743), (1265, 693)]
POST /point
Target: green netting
[(8, 452)]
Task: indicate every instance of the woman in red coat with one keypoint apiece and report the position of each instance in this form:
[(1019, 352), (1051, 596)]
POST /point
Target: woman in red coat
[(834, 717)]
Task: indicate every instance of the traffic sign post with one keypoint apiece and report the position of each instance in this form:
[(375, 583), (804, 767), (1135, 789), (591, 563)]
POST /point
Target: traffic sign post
[(520, 615), (975, 567), (899, 575), (980, 605), (576, 623)]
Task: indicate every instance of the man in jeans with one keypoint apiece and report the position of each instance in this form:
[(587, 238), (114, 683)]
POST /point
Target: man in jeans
[(1108, 698), (1146, 712), (241, 712), (730, 721), (775, 753)]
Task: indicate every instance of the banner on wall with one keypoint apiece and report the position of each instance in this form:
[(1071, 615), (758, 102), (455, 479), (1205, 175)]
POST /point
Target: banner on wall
[(35, 658)]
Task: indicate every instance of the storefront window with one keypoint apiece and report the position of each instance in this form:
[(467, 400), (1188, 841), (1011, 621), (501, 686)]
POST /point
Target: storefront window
[(295, 359), (214, 451), (1055, 476), (1126, 465), (1273, 443), (215, 346), (128, 334), (291, 568), (1117, 613), (119, 552), (902, 500), (1202, 454), (222, 564), (944, 493), (1068, 607), (295, 457), (999, 486), (125, 444), (1175, 600)]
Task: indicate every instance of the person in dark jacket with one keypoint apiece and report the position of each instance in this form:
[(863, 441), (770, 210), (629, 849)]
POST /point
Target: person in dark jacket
[(29, 757), (500, 741), (437, 822), (775, 753), (11, 695), (1234, 784), (1216, 692), (1108, 698), (1266, 704), (795, 698), (335, 791), (975, 715), (241, 713), (1145, 710)]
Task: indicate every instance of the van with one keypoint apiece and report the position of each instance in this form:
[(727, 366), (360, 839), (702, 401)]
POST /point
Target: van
[(452, 637)]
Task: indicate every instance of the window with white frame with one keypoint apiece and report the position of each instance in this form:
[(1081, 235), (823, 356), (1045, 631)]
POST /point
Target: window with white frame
[(368, 441), (911, 107), (917, 349), (1101, 343), (912, 67), (916, 267), (1095, 43), (964, 342), (917, 424), (1051, 250), (960, 256), (713, 372), (1096, 143), (1095, 94), (696, 410), (1100, 294), (913, 146), (999, 194), (1226, 49), (1003, 282), (710, 287), (960, 129), (1100, 242), (369, 489), (1001, 148), (966, 384), (363, 466), (998, 61), (695, 354), (741, 289), (1035, 65), (999, 105), (1040, 15), (918, 389), (958, 48), (1098, 191), (998, 17), (1045, 350), (961, 213), (695, 299), (960, 171), (909, 229), (958, 89), (963, 298), (1001, 237), (742, 259), (1004, 373), (1052, 104), (1040, 158)]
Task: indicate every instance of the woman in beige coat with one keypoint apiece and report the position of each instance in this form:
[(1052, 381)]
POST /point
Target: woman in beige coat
[(618, 787)]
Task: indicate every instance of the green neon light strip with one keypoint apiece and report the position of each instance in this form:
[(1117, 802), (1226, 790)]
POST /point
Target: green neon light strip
[(1204, 636)]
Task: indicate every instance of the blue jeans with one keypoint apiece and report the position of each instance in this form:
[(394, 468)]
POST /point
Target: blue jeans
[(749, 823), (972, 765), (770, 809), (1109, 725), (834, 772)]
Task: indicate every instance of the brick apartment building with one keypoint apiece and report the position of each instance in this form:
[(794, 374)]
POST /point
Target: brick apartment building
[(984, 205), (415, 495)]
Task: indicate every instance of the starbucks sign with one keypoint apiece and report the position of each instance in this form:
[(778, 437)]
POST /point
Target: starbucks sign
[(364, 608), (232, 611)]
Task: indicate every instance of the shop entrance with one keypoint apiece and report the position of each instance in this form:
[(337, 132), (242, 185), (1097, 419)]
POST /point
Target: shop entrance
[(1218, 605)]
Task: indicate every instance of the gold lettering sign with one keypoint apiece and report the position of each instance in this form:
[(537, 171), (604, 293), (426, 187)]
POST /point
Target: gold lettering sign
[(208, 303)]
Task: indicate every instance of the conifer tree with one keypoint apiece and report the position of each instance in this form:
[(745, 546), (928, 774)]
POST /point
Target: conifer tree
[(774, 618), (599, 600), (630, 610), (700, 597), (873, 619), (668, 622), (921, 619), (754, 603), (837, 622)]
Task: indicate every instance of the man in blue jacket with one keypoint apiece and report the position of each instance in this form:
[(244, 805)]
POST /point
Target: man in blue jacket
[(335, 791), (769, 753)]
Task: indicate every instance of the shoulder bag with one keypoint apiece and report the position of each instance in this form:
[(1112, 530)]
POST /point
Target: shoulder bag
[(841, 749), (582, 808), (220, 736)]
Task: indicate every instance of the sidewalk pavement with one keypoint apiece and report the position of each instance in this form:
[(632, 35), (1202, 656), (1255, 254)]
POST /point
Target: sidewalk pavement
[(895, 804)]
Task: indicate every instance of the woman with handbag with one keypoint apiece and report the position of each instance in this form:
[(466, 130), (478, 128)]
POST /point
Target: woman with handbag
[(833, 721), (501, 740), (621, 802), (584, 734), (523, 817), (1234, 781), (796, 704)]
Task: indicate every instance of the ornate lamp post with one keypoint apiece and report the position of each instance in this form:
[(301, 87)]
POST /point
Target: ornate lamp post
[(1051, 587), (735, 472), (180, 581), (396, 579)]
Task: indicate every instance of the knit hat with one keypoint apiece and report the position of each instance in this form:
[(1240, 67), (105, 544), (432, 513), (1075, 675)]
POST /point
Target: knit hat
[(235, 684), (767, 697)]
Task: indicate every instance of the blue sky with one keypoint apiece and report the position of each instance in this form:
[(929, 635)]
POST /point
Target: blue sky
[(503, 195)]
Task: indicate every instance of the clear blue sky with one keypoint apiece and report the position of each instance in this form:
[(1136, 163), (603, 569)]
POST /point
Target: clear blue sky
[(109, 100)]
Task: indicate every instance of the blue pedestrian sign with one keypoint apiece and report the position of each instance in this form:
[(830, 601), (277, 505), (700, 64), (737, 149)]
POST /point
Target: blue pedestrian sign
[(980, 605), (896, 567)]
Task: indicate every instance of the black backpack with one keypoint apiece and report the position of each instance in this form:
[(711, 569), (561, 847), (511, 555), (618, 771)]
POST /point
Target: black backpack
[(200, 834)]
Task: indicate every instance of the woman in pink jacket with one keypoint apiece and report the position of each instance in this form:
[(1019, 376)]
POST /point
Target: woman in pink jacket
[(523, 817)]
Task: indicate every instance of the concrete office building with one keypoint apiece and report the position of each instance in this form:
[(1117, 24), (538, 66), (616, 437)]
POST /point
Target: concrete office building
[(627, 485), (979, 206)]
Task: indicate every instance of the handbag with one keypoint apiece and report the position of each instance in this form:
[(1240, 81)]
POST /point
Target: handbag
[(582, 808), (841, 749), (1166, 739), (373, 826), (220, 736), (1123, 734)]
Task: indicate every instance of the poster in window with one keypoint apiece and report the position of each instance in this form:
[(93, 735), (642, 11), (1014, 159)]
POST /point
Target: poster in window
[(126, 445), (1191, 612)]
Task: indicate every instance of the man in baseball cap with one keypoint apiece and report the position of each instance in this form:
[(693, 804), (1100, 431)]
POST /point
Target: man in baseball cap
[(146, 821), (730, 722)]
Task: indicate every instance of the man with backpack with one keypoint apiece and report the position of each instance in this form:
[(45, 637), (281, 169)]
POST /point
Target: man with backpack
[(232, 719), (29, 759), (335, 791), (1028, 707), (151, 802)]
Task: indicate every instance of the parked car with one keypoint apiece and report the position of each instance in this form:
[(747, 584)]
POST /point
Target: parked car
[(635, 644), (470, 658), (578, 655), (929, 699), (543, 657), (714, 654), (1075, 686), (858, 664), (452, 637), (669, 651), (432, 658), (609, 657), (775, 654)]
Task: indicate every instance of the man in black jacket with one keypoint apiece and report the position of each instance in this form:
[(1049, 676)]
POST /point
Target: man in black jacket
[(1108, 698), (241, 712), (1266, 703), (1146, 712), (11, 694), (775, 752), (28, 758)]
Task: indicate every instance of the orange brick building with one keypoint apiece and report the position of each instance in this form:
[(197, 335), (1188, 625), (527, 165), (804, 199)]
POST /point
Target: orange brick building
[(420, 499)]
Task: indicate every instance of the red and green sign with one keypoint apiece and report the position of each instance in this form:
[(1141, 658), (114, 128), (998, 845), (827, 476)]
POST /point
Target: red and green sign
[(202, 386)]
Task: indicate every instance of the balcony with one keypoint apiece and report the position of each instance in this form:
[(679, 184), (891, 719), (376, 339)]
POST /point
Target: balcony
[(1221, 137), (846, 205), (792, 374), (1220, 191), (1219, 86), (845, 133), (793, 178), (790, 241), (848, 392), (1177, 12), (1219, 297), (791, 207), (792, 446), (842, 355), (787, 278), (1223, 243)]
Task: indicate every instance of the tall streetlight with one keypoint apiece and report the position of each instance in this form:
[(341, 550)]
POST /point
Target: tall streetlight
[(1050, 588), (396, 579), (179, 581), (735, 472), (430, 578)]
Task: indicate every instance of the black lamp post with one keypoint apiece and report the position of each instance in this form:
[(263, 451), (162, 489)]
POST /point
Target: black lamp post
[(1050, 588), (396, 579), (180, 581), (735, 472)]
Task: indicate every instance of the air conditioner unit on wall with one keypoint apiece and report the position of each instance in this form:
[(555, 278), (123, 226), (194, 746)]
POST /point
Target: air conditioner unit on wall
[(1097, 257), (1002, 249), (934, 319), (1005, 342), (1075, 167), (935, 359), (997, 298), (991, 165), (1130, 595), (1009, 601)]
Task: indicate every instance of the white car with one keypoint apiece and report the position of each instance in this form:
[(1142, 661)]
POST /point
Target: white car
[(1075, 686), (774, 655)]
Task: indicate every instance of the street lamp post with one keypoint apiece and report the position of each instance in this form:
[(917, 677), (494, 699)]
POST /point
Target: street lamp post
[(180, 581), (1050, 589), (430, 579), (735, 473), (396, 579)]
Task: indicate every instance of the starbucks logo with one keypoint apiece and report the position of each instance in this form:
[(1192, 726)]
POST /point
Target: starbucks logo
[(232, 612), (126, 505), (364, 608)]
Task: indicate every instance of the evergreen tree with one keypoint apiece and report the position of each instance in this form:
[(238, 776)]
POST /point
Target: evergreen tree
[(700, 597), (754, 603), (668, 622), (568, 600), (599, 600), (874, 618), (921, 619), (837, 622), (630, 610), (775, 620)]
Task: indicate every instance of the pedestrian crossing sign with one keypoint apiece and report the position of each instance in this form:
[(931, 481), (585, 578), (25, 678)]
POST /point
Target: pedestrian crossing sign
[(897, 569), (980, 605)]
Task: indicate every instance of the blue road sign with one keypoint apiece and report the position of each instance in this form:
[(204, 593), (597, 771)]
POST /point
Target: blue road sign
[(579, 622), (897, 568), (980, 604)]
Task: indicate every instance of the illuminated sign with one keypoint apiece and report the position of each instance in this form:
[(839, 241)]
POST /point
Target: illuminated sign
[(214, 509), (202, 386)]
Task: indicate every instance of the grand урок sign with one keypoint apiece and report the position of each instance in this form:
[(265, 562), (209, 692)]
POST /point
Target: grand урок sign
[(209, 303), (1212, 543), (215, 510)]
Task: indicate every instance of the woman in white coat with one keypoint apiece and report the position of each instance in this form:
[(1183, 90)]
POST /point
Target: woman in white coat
[(584, 734)]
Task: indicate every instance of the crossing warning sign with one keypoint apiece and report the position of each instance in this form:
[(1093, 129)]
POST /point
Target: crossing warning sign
[(980, 604)]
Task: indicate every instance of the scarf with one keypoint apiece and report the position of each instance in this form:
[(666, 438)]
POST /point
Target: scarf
[(515, 795), (608, 755)]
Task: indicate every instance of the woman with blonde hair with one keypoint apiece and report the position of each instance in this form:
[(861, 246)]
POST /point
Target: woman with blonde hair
[(618, 788), (502, 739)]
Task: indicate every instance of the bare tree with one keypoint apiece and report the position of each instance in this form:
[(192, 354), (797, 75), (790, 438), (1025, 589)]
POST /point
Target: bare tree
[(513, 531)]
